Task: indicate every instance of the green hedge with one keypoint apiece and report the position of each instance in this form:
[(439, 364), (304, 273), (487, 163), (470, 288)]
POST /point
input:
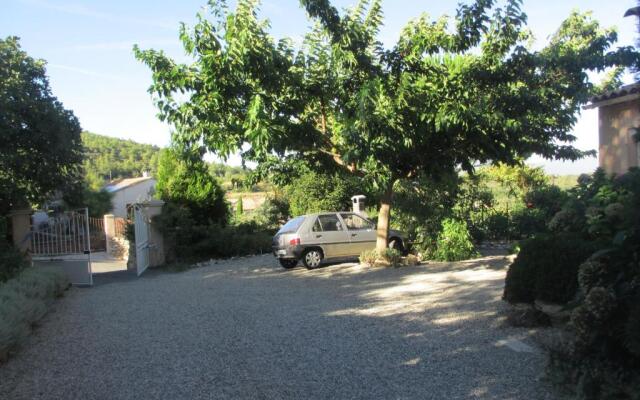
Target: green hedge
[(24, 300), (547, 269), (11, 262)]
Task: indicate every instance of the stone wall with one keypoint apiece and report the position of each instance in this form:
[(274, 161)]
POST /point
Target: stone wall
[(118, 248)]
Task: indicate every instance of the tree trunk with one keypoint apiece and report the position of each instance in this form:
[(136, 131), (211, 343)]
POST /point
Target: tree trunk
[(383, 219)]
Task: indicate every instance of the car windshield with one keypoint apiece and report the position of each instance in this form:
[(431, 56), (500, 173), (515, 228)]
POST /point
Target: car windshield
[(292, 225)]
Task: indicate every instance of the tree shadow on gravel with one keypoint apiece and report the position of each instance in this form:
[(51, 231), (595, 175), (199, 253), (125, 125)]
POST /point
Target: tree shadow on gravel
[(430, 331)]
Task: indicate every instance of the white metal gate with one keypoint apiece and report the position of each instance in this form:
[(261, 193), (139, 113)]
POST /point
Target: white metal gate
[(63, 242), (141, 221)]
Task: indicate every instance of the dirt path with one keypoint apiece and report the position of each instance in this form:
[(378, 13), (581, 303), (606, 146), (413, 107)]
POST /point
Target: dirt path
[(248, 329)]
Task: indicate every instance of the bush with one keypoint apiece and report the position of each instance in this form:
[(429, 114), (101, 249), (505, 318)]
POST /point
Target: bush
[(547, 200), (591, 258), (269, 216), (188, 183), (546, 269), (419, 208), (368, 257), (24, 300), (494, 227), (454, 242), (528, 222), (189, 240), (11, 261), (392, 256)]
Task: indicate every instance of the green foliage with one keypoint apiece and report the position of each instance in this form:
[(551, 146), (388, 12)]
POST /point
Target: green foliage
[(40, 149), (518, 180), (421, 205), (98, 202), (445, 95), (189, 184), (270, 215), (24, 300), (596, 207), (111, 158), (454, 242), (368, 257), (239, 209), (188, 239), (314, 192), (603, 359), (11, 260), (391, 256), (547, 269)]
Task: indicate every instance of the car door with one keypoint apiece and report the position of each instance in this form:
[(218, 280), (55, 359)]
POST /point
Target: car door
[(329, 232), (362, 233)]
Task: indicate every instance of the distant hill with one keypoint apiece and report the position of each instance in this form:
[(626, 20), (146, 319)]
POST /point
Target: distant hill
[(111, 158)]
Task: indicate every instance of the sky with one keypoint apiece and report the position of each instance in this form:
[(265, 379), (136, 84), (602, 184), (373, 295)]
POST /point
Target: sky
[(92, 70)]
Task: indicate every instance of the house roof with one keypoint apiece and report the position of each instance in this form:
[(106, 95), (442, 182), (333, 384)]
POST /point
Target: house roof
[(620, 95), (120, 184)]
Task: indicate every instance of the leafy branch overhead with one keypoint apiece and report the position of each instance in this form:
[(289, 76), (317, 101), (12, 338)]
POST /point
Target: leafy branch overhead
[(450, 93), (433, 97)]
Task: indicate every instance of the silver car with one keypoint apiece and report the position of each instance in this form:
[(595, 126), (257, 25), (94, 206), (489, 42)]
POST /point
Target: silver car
[(314, 237)]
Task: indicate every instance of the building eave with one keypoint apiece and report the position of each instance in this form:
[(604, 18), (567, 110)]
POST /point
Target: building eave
[(616, 96)]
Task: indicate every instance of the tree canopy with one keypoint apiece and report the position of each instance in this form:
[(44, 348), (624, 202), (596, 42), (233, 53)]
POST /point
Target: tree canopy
[(451, 93), (40, 146)]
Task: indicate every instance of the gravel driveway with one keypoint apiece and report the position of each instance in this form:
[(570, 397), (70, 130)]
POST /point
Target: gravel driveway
[(248, 329)]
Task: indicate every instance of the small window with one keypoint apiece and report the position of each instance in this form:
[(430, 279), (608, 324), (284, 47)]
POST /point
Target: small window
[(330, 222), (356, 223), (317, 227)]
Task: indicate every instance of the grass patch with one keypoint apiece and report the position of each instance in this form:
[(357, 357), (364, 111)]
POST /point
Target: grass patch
[(24, 300)]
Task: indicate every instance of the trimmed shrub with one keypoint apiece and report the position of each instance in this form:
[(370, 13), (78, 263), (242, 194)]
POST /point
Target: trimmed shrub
[(547, 269), (454, 242), (24, 300)]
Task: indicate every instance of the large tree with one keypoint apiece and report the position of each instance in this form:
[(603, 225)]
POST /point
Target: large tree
[(40, 146), (449, 94)]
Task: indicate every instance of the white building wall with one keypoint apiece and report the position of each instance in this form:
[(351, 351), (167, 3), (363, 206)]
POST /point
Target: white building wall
[(130, 195)]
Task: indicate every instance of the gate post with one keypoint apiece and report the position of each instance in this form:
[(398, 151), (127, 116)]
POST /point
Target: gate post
[(156, 240), (109, 231), (21, 229)]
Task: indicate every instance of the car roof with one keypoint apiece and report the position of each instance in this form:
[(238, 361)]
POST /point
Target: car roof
[(317, 214)]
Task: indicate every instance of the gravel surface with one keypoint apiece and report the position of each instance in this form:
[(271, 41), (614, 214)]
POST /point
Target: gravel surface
[(248, 329)]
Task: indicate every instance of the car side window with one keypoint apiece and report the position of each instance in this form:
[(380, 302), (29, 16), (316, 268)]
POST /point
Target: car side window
[(356, 223), (330, 222), (317, 226)]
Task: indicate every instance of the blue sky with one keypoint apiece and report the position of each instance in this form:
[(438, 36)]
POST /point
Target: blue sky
[(87, 45)]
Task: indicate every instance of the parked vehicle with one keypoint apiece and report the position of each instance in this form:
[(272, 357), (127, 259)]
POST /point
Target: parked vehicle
[(315, 237)]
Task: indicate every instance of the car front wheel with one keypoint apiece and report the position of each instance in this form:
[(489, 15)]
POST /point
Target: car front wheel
[(312, 258), (288, 263), (396, 244)]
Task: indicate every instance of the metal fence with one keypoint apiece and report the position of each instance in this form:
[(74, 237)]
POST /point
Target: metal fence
[(62, 234), (98, 235), (120, 225)]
